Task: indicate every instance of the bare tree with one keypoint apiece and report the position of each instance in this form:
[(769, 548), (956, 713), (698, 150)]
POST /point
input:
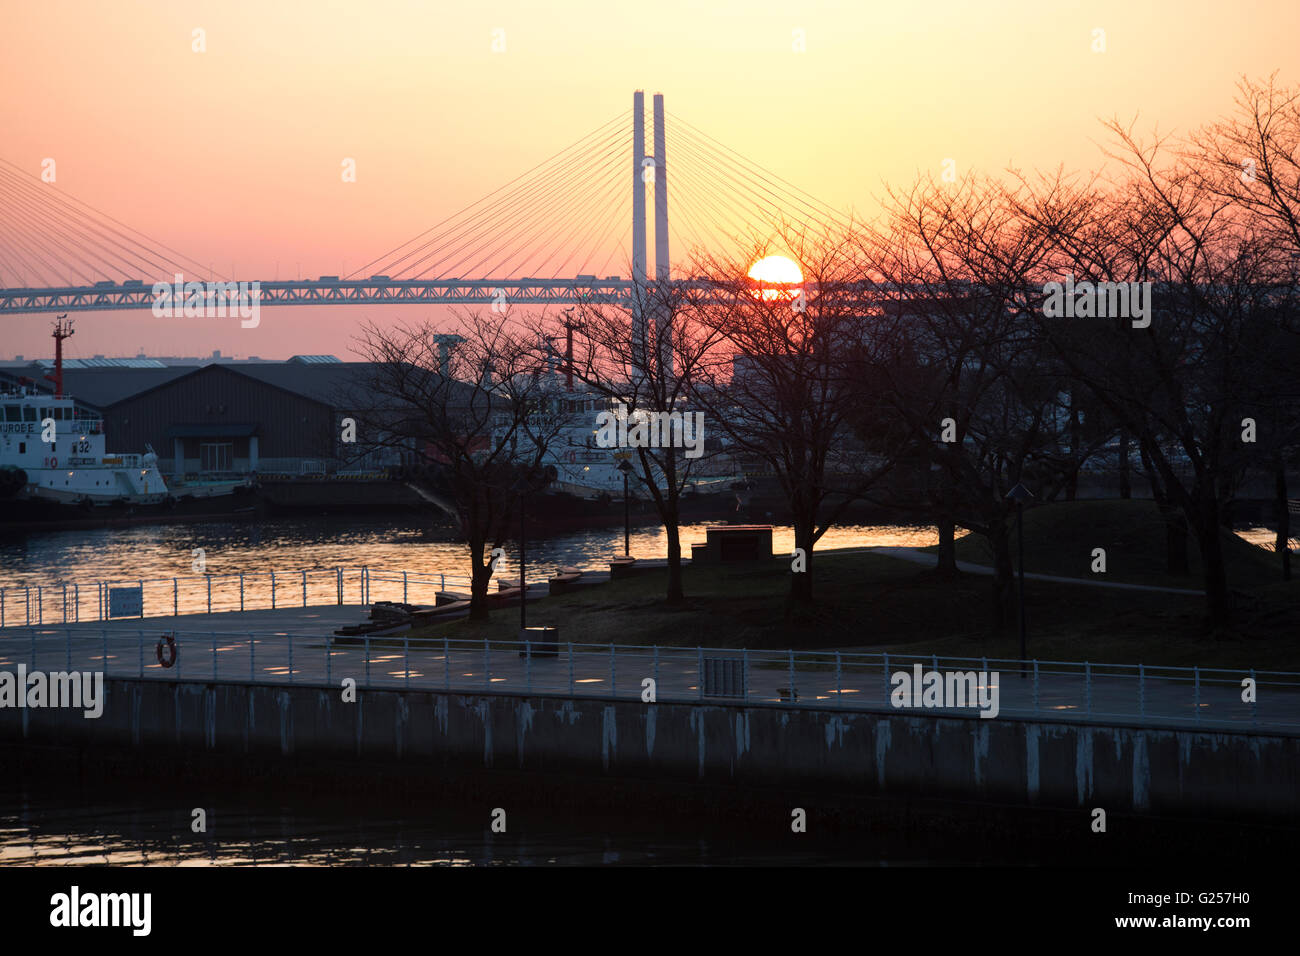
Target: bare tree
[(640, 358), (785, 387), (475, 402), (1179, 379), (984, 396)]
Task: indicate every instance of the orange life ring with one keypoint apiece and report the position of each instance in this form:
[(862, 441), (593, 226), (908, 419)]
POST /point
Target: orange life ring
[(170, 640)]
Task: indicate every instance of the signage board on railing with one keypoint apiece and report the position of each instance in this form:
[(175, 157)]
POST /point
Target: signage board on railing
[(126, 602)]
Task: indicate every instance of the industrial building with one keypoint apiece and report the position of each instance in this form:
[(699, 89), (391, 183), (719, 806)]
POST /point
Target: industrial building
[(221, 418)]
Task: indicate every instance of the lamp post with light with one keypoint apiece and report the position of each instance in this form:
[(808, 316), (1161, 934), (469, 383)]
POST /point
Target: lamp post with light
[(534, 479), (1020, 494), (626, 468)]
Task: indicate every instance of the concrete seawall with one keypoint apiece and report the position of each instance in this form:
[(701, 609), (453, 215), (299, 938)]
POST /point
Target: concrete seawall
[(417, 734)]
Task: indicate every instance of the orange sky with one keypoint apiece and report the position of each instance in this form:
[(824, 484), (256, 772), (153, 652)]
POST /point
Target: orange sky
[(233, 155)]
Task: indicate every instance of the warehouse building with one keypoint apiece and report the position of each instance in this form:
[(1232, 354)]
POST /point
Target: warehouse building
[(232, 417)]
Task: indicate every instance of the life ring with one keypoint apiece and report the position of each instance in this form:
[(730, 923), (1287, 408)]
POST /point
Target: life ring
[(170, 640)]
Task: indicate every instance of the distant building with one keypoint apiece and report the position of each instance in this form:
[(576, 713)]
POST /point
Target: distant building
[(228, 417)]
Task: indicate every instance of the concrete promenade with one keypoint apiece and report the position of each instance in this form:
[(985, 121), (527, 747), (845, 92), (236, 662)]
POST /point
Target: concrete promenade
[(296, 645)]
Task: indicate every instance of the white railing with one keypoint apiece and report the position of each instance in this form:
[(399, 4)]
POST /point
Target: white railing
[(1057, 690), (76, 602)]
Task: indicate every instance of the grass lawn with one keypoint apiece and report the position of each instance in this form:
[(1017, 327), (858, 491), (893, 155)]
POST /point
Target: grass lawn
[(1060, 537), (873, 603)]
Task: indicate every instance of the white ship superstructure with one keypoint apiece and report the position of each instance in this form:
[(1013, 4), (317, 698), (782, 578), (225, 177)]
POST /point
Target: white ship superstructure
[(74, 467)]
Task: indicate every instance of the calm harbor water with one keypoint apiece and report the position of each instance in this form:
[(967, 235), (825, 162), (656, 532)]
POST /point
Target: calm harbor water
[(43, 825), (46, 824), (51, 825), (164, 551)]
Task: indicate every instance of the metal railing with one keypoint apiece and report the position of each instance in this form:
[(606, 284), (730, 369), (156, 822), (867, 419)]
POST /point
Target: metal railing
[(1069, 690), (76, 602)]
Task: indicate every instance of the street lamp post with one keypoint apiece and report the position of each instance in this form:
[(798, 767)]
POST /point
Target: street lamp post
[(1020, 494), (626, 468), (523, 564), (533, 480)]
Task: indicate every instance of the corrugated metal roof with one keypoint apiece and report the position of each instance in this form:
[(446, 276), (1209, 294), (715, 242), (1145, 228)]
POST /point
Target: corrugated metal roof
[(103, 363)]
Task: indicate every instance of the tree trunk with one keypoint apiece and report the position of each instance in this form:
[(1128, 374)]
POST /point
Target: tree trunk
[(1125, 486), (1209, 536), (947, 545), (675, 593), (1283, 519), (1175, 541), (1072, 480), (1003, 576), (480, 578), (801, 582)]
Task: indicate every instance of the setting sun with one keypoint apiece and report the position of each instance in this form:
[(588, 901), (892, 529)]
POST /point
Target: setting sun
[(776, 271)]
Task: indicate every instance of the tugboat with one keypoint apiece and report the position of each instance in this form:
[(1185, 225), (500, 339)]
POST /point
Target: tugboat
[(53, 461)]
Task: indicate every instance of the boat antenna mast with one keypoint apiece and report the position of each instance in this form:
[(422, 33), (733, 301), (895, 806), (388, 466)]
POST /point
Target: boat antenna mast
[(62, 330)]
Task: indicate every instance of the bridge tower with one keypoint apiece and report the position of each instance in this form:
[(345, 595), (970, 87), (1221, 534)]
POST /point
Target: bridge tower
[(638, 225), (648, 170)]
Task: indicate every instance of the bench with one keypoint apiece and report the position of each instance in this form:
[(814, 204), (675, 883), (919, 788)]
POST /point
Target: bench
[(566, 580), (735, 542), (620, 567)]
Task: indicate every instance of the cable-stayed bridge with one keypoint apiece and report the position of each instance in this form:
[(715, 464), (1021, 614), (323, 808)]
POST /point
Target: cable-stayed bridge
[(553, 235)]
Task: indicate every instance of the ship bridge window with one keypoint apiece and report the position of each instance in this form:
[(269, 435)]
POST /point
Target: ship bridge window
[(13, 413), (29, 413)]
